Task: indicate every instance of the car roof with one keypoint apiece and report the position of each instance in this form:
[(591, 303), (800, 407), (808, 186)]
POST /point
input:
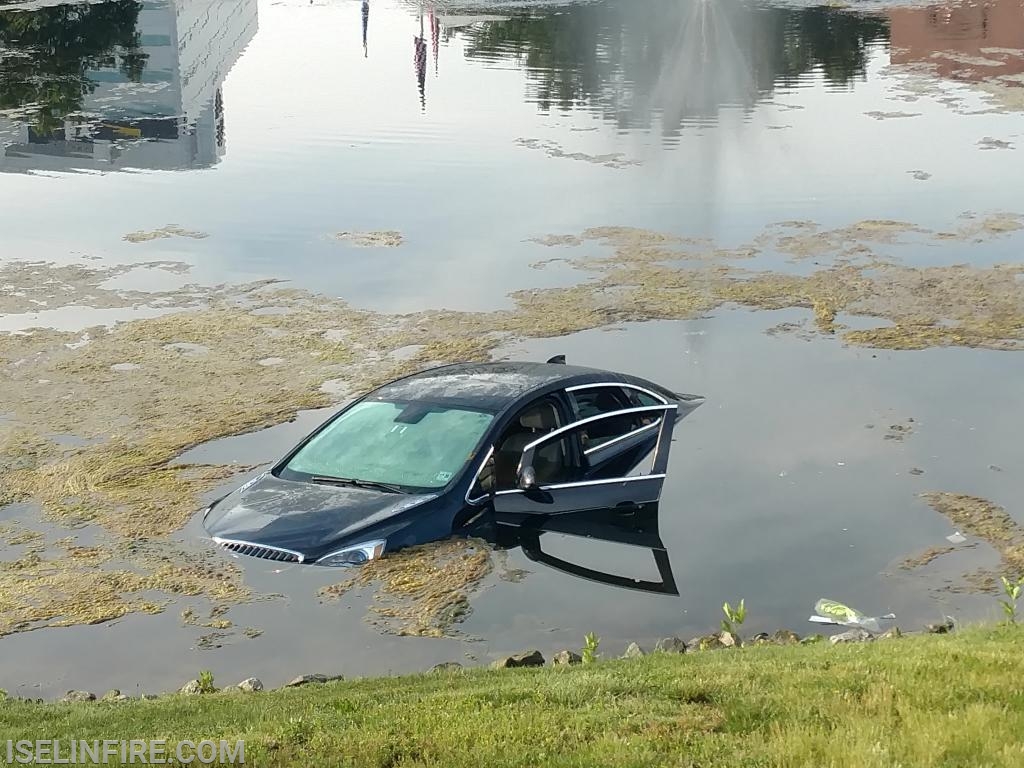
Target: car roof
[(491, 386)]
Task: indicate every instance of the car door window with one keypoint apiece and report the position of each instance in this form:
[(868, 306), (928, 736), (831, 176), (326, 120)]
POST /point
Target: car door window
[(651, 420), (554, 462), (641, 398), (596, 401)]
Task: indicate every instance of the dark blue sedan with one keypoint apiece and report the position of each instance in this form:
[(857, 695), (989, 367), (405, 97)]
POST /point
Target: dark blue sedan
[(426, 456)]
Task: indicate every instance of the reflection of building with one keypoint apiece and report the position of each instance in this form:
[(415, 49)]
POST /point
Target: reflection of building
[(171, 117), (964, 42)]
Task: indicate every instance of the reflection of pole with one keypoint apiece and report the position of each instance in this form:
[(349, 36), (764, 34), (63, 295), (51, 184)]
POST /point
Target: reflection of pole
[(218, 116), (366, 24), (420, 60), (435, 31), (704, 30)]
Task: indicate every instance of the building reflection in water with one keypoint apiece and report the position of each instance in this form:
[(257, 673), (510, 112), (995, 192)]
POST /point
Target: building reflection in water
[(124, 84), (962, 42), (420, 62)]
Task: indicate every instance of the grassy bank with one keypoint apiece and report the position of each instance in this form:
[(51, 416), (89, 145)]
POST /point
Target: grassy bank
[(953, 700)]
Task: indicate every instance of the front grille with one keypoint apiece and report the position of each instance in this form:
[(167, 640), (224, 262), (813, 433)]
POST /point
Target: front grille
[(260, 550)]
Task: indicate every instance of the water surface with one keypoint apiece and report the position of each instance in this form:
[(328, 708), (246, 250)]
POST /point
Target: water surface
[(270, 127)]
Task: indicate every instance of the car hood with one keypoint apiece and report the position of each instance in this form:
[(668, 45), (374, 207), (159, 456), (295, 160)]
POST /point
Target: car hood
[(302, 516)]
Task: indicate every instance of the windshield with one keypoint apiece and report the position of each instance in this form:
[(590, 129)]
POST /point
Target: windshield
[(406, 444)]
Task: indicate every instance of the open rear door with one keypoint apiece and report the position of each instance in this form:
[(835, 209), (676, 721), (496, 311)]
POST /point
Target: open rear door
[(557, 471)]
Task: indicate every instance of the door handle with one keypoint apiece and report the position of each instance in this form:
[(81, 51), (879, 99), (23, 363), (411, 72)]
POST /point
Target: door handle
[(628, 507)]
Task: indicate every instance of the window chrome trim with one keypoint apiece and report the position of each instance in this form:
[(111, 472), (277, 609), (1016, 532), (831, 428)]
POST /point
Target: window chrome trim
[(528, 449), (576, 424), (638, 388), (477, 499), (609, 481), (620, 438), (230, 544), (587, 483)]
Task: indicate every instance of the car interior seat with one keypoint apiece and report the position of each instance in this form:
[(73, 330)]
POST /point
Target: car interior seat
[(532, 424)]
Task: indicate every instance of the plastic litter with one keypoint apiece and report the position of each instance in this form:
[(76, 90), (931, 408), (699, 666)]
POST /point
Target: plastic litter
[(956, 538), (831, 612)]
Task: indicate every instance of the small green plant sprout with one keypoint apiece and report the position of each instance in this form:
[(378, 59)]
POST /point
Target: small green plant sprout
[(590, 644), (206, 682), (733, 616), (1012, 591)]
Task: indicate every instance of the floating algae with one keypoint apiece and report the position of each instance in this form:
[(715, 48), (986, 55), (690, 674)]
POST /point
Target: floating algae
[(640, 245), (171, 230), (554, 149), (94, 584), (976, 77), (38, 592), (422, 591), (800, 330), (378, 239), (981, 518), (924, 306), (17, 535), (805, 239), (898, 432), (878, 115), (191, 619), (990, 143), (556, 240), (974, 61), (926, 557), (31, 286)]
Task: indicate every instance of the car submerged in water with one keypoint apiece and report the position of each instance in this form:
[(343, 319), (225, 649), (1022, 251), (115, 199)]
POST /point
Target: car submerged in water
[(427, 456)]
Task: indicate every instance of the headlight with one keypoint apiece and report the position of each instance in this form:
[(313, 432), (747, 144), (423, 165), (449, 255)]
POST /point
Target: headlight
[(206, 512), (354, 555)]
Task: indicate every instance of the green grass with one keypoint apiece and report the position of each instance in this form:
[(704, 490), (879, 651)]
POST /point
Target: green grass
[(954, 700)]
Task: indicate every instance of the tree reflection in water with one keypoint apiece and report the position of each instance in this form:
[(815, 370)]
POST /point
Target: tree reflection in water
[(682, 60), (47, 53)]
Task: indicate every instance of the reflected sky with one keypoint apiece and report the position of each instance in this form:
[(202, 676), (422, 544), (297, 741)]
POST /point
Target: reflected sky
[(487, 138)]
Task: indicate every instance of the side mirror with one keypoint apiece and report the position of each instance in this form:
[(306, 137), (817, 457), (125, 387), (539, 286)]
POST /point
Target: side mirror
[(527, 478)]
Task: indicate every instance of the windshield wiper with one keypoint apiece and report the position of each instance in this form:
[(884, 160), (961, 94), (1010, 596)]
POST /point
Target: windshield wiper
[(329, 480)]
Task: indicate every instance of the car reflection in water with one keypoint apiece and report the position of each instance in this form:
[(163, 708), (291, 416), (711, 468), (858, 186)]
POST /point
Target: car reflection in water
[(633, 526)]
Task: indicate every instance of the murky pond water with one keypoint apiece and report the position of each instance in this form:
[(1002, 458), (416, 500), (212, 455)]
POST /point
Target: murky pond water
[(409, 158)]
